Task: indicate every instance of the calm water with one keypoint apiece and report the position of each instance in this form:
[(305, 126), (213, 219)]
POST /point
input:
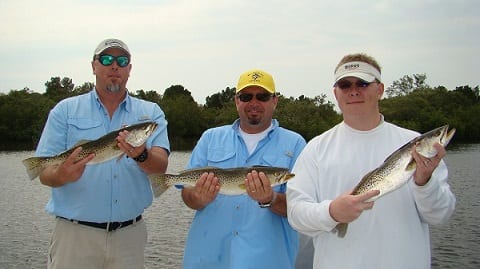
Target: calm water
[(25, 228)]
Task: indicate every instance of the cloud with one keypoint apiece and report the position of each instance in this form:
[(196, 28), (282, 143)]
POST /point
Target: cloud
[(205, 45)]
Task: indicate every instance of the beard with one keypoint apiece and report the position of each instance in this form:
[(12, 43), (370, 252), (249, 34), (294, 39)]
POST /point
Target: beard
[(254, 120), (113, 87)]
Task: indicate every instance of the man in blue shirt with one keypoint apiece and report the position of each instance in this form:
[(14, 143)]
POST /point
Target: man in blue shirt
[(99, 207), (250, 230)]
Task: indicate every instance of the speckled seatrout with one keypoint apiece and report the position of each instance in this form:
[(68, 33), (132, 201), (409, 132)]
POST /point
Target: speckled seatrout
[(400, 166), (232, 181), (105, 148)]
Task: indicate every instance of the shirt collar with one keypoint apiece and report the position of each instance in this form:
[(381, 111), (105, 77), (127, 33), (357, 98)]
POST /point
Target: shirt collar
[(126, 103)]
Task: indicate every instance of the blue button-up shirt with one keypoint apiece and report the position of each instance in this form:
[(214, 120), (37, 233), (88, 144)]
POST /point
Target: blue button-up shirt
[(233, 231), (116, 190)]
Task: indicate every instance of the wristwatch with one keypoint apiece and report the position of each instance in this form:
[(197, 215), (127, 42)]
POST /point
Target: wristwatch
[(268, 204), (265, 205), (142, 157)]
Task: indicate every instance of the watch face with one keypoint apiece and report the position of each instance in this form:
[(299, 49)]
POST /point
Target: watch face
[(142, 157)]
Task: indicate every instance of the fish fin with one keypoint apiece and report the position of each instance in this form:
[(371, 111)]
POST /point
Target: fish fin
[(242, 186), (33, 165), (203, 169), (159, 184), (412, 165), (342, 229), (120, 156), (81, 142)]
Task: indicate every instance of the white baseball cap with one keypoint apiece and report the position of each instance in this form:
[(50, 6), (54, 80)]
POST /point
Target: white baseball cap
[(110, 43)]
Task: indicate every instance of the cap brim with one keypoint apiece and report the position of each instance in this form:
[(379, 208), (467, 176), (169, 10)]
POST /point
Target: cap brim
[(112, 47), (254, 84), (363, 76)]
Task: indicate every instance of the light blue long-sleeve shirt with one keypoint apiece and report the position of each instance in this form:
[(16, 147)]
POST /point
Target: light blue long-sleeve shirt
[(116, 190), (233, 231)]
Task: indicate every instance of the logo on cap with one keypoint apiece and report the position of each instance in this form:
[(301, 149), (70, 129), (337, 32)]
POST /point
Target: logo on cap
[(113, 43), (256, 76), (351, 66)]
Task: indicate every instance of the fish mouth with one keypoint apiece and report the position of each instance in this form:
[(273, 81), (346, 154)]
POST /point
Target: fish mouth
[(447, 135), (152, 127), (443, 135)]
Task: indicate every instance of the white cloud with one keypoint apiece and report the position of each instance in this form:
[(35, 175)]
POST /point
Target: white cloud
[(205, 45)]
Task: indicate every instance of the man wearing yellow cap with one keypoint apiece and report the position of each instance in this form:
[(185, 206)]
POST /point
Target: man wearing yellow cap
[(250, 230)]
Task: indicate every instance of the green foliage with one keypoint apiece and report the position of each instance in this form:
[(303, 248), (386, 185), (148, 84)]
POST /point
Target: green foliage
[(412, 104), (58, 89), (220, 100), (22, 116), (307, 116), (185, 118), (406, 85), (425, 109)]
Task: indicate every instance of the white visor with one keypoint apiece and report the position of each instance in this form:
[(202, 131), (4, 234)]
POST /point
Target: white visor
[(361, 70)]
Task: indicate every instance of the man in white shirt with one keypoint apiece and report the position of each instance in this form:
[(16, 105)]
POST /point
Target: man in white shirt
[(393, 232)]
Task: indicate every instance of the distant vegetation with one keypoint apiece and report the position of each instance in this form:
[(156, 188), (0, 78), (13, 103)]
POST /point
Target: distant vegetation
[(409, 102)]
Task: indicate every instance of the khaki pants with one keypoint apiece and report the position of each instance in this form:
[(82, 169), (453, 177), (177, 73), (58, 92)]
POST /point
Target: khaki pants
[(78, 246)]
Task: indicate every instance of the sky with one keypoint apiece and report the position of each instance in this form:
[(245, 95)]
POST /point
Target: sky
[(205, 45)]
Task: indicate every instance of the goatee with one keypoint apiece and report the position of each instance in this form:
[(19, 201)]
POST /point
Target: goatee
[(113, 87)]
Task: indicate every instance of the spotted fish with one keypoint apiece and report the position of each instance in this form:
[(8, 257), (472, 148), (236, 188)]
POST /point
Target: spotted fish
[(105, 148), (400, 166), (232, 181)]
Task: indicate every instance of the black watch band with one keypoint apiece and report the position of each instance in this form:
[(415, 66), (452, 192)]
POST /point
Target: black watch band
[(142, 157), (265, 205), (268, 204)]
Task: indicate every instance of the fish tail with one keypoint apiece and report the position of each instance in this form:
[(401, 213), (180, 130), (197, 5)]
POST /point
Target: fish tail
[(159, 184), (342, 229), (34, 167)]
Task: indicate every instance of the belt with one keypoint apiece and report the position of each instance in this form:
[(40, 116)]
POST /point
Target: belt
[(108, 226)]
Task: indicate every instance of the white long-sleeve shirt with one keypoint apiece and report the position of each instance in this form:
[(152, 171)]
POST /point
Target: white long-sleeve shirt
[(394, 233)]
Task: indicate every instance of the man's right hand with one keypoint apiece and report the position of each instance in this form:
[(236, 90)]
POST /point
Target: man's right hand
[(69, 171), (203, 193), (346, 208)]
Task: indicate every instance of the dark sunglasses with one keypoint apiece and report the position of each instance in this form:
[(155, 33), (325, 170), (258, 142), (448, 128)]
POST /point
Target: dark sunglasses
[(262, 97), (346, 84), (106, 60)]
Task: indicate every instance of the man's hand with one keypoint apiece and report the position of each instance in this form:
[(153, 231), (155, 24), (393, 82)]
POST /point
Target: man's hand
[(69, 171), (258, 187), (425, 166), (204, 192), (346, 208)]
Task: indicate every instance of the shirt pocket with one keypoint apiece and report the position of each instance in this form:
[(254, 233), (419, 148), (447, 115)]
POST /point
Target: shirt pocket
[(220, 157), (83, 130), (277, 160)]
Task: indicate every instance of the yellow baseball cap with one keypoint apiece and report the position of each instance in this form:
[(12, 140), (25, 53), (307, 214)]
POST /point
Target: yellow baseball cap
[(256, 77)]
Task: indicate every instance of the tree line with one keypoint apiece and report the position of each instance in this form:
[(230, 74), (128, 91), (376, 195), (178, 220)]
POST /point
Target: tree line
[(409, 102)]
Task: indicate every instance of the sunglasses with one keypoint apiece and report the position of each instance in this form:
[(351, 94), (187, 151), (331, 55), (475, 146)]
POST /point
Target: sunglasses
[(346, 84), (106, 60), (262, 97)]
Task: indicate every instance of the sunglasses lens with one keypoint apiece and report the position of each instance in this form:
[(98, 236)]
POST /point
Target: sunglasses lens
[(122, 61), (106, 60), (263, 97), (362, 84), (344, 84), (245, 97)]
